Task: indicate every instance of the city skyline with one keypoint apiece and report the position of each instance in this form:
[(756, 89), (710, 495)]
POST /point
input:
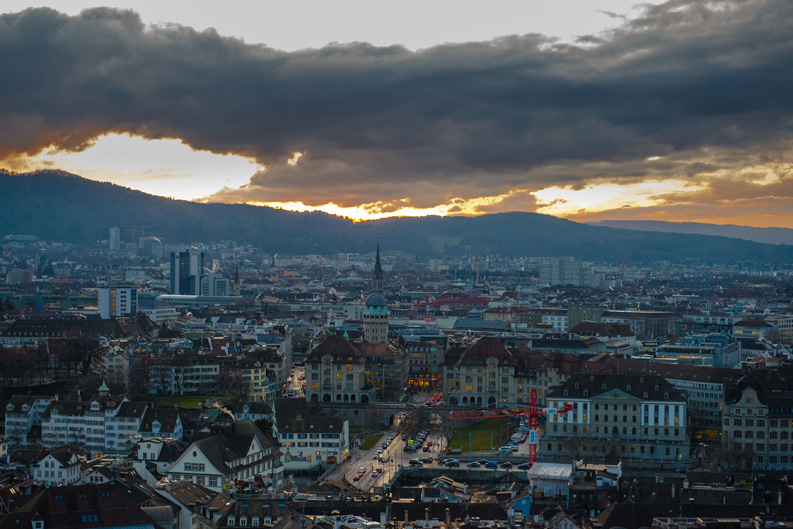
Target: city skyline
[(675, 111)]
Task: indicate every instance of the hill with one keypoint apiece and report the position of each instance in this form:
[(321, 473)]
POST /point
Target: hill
[(57, 206), (748, 233)]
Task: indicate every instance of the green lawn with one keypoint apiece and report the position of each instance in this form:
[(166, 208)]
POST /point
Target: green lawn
[(480, 434), (190, 402), (372, 440)]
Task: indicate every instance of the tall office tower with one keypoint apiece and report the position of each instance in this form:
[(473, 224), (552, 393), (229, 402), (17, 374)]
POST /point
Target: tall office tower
[(215, 285), (114, 239), (117, 301), (186, 271)]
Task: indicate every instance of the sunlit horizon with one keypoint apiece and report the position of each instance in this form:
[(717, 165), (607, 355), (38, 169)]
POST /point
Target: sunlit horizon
[(170, 168)]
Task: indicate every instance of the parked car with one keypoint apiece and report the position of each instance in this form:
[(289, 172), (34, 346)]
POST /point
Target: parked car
[(474, 464), (453, 463), (504, 451), (506, 464), (524, 466), (415, 463), (492, 464), (426, 460)]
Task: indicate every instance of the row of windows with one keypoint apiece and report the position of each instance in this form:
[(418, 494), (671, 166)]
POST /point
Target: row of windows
[(303, 444), (633, 449), (311, 436)]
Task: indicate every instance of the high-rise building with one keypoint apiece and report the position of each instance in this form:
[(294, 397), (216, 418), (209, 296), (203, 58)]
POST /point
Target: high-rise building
[(186, 271), (151, 247), (117, 301), (565, 271), (215, 285), (114, 238)]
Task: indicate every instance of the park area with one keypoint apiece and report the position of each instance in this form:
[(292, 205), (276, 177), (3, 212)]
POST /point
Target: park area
[(480, 435)]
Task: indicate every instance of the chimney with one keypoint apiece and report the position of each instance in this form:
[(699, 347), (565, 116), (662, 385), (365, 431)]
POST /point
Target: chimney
[(427, 514), (406, 516), (448, 517)]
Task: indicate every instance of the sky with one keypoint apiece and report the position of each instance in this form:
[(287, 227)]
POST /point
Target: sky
[(584, 109)]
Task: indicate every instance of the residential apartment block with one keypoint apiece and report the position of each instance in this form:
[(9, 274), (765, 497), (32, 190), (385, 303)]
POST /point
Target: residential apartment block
[(628, 416), (758, 422)]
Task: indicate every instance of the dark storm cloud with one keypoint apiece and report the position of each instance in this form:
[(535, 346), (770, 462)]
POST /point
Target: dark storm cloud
[(389, 123)]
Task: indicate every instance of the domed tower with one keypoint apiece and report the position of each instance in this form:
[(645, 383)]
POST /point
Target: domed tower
[(375, 317)]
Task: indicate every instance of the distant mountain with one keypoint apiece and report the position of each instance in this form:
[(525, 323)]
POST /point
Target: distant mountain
[(764, 235), (57, 206)]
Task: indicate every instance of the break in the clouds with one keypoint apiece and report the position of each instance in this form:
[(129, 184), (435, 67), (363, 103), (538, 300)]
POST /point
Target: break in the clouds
[(689, 91)]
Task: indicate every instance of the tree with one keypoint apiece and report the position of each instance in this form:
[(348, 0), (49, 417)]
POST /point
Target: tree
[(265, 426), (86, 349), (140, 376)]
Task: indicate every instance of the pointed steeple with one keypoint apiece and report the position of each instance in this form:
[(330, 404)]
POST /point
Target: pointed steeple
[(377, 275), (375, 317)]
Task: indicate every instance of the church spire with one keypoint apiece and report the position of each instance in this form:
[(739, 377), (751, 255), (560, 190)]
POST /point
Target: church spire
[(375, 317), (377, 275)]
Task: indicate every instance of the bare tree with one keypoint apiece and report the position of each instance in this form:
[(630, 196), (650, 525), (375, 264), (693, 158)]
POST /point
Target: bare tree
[(140, 376)]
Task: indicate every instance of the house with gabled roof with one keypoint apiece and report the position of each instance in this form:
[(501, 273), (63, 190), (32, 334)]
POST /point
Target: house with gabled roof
[(242, 451), (22, 413), (58, 466), (310, 441), (165, 423)]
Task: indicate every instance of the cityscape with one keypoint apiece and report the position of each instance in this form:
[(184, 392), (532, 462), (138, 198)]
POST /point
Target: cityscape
[(415, 265), (232, 386)]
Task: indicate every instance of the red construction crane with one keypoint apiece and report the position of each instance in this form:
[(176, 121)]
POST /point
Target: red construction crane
[(531, 413)]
